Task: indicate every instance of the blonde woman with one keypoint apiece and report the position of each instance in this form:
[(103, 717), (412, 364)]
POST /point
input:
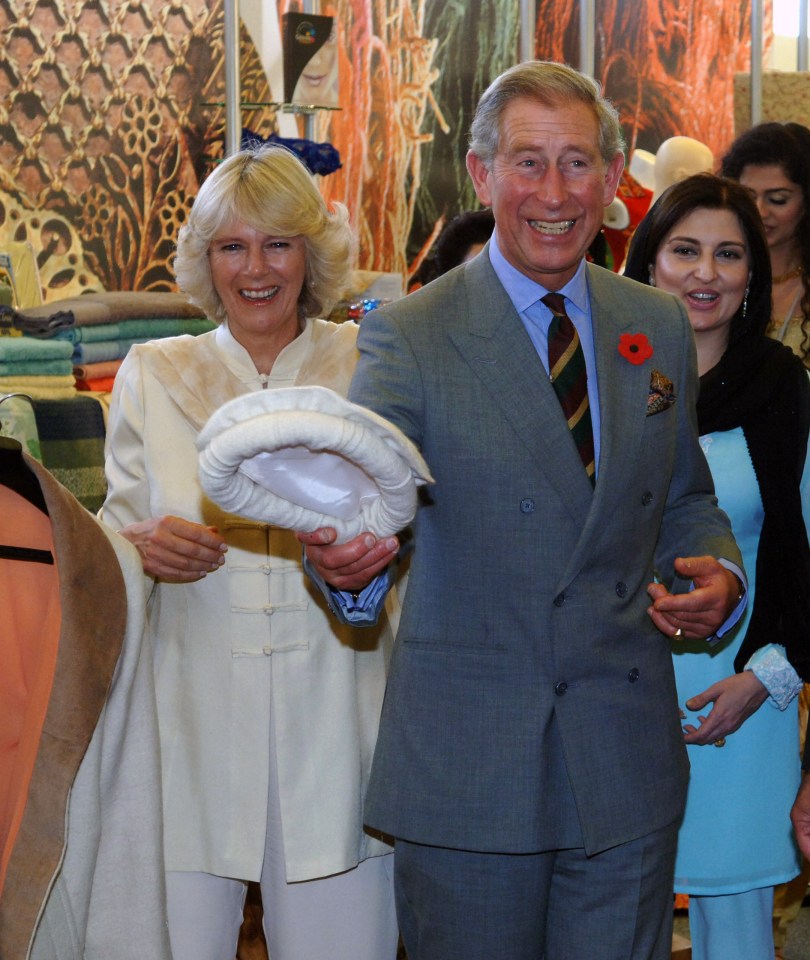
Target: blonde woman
[(268, 707)]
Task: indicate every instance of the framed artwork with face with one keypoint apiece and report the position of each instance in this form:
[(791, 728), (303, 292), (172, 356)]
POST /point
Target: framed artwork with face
[(310, 60)]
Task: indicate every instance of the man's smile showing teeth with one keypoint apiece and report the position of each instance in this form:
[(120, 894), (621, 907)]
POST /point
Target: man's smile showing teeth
[(267, 294), (552, 227)]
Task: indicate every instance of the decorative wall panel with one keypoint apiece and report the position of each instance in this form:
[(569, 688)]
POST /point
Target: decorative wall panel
[(104, 137)]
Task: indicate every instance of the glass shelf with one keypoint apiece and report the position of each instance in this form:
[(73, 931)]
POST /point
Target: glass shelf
[(300, 108)]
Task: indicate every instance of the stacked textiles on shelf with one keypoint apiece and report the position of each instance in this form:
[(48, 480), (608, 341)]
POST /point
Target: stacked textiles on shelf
[(38, 368), (98, 329), (51, 350), (96, 376)]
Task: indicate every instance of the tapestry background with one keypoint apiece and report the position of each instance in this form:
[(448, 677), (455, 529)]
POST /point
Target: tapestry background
[(109, 115)]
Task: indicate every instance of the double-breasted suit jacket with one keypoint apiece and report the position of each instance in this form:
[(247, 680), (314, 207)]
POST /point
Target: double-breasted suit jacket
[(525, 658)]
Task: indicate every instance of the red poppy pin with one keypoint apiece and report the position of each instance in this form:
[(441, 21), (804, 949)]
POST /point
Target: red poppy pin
[(635, 347)]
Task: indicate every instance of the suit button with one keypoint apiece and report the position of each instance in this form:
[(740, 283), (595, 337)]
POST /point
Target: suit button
[(560, 688), (559, 600), (621, 589), (646, 498), (633, 675), (527, 505)]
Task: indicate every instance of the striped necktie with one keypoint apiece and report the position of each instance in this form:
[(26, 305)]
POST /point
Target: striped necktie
[(566, 364)]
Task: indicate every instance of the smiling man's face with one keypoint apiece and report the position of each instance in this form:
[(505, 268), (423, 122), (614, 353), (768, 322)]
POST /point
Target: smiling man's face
[(548, 187)]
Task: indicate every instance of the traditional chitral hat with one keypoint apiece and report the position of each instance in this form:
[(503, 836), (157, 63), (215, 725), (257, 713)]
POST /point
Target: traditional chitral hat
[(305, 457)]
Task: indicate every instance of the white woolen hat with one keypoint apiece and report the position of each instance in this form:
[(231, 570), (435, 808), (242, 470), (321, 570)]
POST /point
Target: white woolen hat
[(305, 457)]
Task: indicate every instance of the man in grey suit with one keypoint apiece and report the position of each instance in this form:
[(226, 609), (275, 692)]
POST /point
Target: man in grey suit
[(530, 761)]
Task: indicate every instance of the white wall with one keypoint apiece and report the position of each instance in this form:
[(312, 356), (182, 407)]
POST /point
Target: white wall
[(262, 23)]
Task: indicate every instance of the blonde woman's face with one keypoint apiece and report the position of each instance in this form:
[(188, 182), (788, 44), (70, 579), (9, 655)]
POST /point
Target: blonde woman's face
[(259, 278)]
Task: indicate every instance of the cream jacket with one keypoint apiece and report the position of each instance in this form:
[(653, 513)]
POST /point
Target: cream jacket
[(250, 641)]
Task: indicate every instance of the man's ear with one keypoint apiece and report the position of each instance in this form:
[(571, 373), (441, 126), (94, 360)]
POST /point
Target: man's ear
[(613, 174), (479, 174)]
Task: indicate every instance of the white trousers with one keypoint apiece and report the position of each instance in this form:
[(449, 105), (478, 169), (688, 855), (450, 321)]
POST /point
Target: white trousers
[(347, 916)]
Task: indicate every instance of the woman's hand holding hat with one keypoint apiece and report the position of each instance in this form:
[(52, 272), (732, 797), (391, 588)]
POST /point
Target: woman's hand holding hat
[(175, 549)]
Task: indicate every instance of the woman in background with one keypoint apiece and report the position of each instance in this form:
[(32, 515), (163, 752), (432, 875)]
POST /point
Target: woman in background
[(703, 242), (772, 161), (267, 706)]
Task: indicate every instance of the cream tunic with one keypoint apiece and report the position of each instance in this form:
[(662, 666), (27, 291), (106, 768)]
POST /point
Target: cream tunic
[(250, 638)]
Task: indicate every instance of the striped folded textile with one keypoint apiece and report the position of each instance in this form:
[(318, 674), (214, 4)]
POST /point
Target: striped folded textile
[(71, 437)]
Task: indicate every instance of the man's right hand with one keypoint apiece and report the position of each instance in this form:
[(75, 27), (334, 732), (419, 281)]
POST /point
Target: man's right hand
[(348, 566), (176, 550)]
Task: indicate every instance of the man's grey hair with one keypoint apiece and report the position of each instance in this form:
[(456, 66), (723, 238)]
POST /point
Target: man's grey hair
[(548, 83)]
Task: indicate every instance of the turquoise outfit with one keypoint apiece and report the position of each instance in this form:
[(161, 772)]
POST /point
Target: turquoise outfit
[(736, 833)]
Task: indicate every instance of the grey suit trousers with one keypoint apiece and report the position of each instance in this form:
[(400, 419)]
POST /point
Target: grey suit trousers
[(555, 905)]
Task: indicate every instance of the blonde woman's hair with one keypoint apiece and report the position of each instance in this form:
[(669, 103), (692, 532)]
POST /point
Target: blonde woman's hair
[(270, 189)]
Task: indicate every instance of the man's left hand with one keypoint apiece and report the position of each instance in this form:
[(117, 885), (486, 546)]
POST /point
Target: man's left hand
[(701, 612)]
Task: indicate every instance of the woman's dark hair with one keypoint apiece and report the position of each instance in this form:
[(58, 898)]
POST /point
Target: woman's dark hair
[(461, 233), (785, 145), (705, 191)]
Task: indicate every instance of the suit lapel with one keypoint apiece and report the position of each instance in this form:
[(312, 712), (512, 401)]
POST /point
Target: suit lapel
[(500, 354)]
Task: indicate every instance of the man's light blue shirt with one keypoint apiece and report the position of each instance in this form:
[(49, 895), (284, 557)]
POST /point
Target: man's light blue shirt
[(536, 317)]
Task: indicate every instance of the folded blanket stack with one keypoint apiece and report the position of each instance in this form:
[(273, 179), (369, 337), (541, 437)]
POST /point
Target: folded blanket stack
[(96, 376), (99, 328), (42, 369)]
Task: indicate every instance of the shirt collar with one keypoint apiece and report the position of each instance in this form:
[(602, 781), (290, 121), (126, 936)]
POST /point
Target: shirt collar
[(524, 292)]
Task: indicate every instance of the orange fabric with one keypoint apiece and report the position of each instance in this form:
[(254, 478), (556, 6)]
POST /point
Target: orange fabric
[(93, 371), (29, 599), (99, 385)]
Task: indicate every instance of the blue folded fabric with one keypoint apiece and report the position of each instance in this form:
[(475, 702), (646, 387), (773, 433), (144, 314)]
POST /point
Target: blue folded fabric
[(135, 329), (104, 350), (37, 368), (16, 349)]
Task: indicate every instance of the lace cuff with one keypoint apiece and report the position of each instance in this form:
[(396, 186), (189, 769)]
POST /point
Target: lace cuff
[(772, 669)]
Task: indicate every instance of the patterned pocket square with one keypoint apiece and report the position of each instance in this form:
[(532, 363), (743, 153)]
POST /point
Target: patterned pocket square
[(661, 395)]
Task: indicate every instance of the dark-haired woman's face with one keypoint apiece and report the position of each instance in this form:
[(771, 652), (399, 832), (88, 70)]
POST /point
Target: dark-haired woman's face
[(779, 201), (704, 261)]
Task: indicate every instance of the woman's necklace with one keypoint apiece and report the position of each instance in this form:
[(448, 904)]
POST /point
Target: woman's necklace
[(782, 277)]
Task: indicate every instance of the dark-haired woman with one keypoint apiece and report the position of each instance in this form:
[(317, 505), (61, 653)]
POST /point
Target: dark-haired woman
[(772, 161), (703, 242)]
